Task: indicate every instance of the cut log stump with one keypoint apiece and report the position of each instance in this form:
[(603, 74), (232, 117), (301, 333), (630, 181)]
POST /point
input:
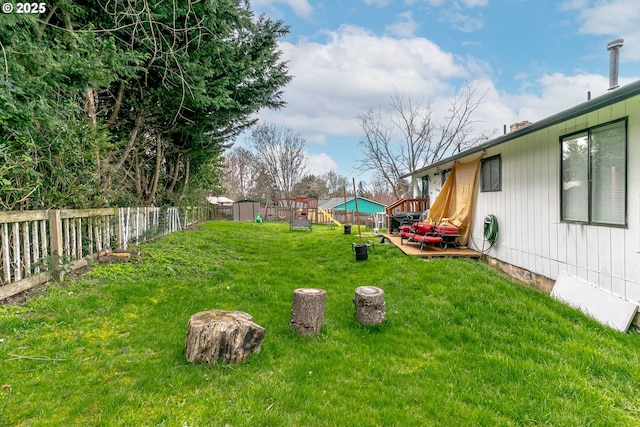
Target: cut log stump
[(307, 310), (113, 257), (370, 306), (222, 335)]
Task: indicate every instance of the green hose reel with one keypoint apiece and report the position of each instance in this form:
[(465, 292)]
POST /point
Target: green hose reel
[(491, 229)]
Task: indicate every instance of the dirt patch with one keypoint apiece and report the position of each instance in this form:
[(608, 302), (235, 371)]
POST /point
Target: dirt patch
[(23, 297)]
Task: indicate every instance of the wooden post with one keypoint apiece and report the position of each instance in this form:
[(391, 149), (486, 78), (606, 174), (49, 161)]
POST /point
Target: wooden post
[(355, 199), (370, 305), (346, 213), (117, 228), (55, 242), (307, 310)]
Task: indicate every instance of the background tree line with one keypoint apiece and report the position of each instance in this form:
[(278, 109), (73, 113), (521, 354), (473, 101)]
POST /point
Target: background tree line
[(274, 165), (112, 103)]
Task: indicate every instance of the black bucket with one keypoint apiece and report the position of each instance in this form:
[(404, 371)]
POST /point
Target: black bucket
[(362, 252), (347, 229)]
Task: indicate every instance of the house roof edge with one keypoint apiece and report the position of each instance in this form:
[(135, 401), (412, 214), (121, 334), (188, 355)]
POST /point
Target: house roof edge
[(601, 101)]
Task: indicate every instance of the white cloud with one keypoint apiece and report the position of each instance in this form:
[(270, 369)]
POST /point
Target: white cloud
[(493, 113), (548, 95), (354, 71), (614, 18), (376, 2), (449, 3), (573, 5), (475, 3), (461, 21), (301, 8), (321, 163), (609, 17), (455, 13), (429, 2), (552, 93), (405, 26)]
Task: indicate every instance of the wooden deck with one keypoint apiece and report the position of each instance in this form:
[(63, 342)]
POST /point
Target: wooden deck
[(429, 251)]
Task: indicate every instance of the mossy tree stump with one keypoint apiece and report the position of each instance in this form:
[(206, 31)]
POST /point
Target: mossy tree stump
[(370, 305), (222, 335), (307, 310)]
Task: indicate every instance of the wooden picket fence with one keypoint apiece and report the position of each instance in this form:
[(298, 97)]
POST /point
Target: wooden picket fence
[(38, 246)]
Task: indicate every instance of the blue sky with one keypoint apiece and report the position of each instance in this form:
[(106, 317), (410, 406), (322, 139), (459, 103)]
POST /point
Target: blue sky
[(531, 59)]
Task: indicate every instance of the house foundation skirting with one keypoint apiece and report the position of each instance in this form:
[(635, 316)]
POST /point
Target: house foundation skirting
[(534, 280), (529, 278)]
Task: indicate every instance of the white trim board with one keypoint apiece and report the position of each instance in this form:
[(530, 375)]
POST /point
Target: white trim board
[(597, 303)]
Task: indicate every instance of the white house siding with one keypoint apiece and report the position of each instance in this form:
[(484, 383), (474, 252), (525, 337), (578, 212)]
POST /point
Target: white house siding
[(528, 209)]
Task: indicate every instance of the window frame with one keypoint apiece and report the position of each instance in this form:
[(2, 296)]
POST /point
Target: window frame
[(424, 191), (487, 161), (444, 175), (590, 190)]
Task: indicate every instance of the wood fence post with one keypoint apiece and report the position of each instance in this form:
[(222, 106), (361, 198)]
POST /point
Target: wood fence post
[(118, 228), (55, 245)]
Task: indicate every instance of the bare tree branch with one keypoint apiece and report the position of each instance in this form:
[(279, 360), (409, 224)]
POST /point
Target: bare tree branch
[(423, 141), (281, 155)]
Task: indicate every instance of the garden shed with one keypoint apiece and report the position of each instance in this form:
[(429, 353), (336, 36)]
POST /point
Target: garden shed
[(245, 210)]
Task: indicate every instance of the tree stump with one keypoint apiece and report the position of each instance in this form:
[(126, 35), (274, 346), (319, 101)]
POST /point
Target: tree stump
[(222, 335), (307, 310), (370, 305)]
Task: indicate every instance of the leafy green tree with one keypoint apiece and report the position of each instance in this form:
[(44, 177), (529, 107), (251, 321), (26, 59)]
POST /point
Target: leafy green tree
[(52, 149), (107, 103)]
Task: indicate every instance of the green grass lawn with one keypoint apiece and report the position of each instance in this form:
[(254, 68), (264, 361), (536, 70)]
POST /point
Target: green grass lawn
[(462, 345)]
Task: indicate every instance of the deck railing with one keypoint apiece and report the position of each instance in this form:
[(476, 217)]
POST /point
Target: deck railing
[(408, 205), (37, 246)]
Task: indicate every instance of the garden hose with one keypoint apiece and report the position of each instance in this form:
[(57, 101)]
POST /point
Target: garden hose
[(491, 229)]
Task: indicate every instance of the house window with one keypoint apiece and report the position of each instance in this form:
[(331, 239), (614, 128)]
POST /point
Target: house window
[(425, 187), (444, 176), (490, 174), (594, 175)]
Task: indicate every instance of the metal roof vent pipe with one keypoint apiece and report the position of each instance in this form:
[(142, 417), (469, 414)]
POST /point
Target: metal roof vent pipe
[(614, 47)]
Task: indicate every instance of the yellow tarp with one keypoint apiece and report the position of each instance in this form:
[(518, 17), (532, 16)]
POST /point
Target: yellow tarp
[(455, 202)]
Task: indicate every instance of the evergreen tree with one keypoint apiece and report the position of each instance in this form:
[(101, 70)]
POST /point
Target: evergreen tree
[(105, 103)]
